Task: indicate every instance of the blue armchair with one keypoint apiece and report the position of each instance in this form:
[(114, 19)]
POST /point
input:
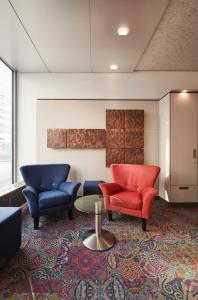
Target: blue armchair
[(47, 191)]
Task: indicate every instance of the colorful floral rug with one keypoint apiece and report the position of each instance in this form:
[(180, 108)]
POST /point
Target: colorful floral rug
[(159, 264)]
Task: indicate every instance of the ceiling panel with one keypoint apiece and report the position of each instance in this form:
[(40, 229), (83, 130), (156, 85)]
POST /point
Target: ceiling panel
[(60, 30), (106, 46), (15, 46), (175, 43)]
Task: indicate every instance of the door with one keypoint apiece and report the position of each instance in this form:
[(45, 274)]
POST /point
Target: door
[(184, 126)]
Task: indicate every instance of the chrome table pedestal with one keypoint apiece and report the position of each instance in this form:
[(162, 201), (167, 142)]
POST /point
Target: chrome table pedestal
[(98, 239)]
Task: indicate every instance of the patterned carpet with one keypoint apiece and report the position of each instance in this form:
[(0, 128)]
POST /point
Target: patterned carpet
[(159, 264)]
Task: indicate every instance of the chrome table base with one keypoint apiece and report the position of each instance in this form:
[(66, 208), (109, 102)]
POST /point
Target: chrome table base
[(104, 241), (98, 239)]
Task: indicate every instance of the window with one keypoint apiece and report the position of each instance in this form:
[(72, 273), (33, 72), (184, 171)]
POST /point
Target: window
[(6, 137)]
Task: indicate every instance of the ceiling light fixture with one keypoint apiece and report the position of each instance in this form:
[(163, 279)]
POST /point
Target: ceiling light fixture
[(184, 91), (123, 31), (113, 67)]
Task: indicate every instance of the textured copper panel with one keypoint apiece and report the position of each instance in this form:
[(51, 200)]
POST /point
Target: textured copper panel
[(56, 138), (95, 138), (115, 138), (76, 138), (115, 119), (134, 156), (134, 138), (134, 119), (114, 156)]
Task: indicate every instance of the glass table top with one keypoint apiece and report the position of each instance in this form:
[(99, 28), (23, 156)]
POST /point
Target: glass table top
[(96, 204), (91, 204)]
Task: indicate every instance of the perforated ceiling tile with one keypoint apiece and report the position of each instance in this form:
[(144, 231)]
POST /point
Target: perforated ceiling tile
[(174, 45)]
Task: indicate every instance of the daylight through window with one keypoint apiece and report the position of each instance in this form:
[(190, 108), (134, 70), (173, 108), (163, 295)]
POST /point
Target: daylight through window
[(5, 125)]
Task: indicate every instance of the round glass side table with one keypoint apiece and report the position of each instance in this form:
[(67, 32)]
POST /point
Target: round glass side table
[(96, 239)]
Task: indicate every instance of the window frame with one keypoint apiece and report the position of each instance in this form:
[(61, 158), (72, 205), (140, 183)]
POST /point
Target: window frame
[(14, 121)]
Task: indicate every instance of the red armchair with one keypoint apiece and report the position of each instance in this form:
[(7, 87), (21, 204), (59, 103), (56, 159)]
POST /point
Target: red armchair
[(131, 191)]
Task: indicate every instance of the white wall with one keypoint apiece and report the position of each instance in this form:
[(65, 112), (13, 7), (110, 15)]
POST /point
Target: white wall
[(138, 85), (164, 147)]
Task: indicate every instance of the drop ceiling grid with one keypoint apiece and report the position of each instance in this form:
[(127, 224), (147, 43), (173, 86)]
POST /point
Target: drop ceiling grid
[(16, 48), (109, 48), (60, 33), (75, 36)]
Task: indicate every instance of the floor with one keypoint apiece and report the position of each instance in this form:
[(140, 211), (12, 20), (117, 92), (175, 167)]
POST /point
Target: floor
[(161, 263)]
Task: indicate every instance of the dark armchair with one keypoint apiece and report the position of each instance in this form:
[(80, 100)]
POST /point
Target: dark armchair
[(47, 191)]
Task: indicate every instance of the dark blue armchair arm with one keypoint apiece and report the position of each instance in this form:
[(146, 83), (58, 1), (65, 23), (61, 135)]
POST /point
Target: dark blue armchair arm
[(70, 188), (31, 196)]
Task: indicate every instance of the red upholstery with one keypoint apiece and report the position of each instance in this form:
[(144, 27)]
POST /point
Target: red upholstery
[(123, 199), (132, 189)]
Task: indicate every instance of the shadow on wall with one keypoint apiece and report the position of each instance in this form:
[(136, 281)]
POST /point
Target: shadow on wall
[(72, 174)]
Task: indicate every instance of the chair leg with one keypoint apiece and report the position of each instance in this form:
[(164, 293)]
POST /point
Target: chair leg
[(36, 223), (70, 214), (110, 216), (143, 224)]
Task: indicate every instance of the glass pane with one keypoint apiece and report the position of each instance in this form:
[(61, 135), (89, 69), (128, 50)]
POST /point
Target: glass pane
[(5, 125)]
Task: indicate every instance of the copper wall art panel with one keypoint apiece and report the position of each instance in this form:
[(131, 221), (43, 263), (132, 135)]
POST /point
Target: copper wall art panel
[(134, 156), (114, 156), (115, 119), (56, 138), (115, 138), (134, 119), (76, 138), (95, 139), (123, 138), (134, 138)]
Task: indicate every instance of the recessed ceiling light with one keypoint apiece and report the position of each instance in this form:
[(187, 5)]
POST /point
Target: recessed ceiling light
[(113, 67), (123, 31)]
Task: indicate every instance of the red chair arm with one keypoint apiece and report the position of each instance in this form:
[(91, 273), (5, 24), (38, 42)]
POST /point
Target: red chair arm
[(109, 189), (148, 195)]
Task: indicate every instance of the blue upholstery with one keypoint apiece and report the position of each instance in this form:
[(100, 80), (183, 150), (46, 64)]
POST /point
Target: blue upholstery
[(52, 198), (91, 187), (45, 177), (47, 190), (10, 233)]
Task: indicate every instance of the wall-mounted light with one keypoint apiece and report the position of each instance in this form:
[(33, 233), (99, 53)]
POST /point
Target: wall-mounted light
[(184, 95)]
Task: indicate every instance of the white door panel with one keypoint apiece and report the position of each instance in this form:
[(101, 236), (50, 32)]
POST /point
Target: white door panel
[(183, 138)]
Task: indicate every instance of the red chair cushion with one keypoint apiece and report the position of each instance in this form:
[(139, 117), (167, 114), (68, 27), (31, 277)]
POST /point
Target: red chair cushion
[(126, 199)]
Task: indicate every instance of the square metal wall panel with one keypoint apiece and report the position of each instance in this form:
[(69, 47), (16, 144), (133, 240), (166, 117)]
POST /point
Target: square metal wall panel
[(114, 156), (134, 119), (134, 139), (95, 138), (115, 138), (134, 156), (76, 138), (56, 138), (115, 119)]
